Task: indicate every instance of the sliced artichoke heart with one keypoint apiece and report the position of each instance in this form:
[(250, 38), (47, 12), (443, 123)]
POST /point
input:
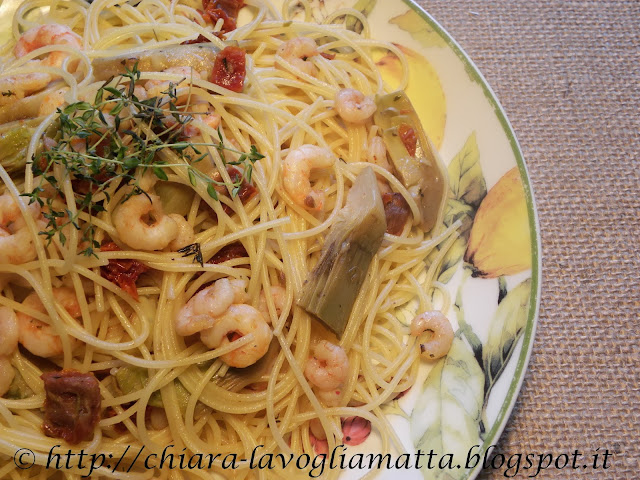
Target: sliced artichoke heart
[(201, 57), (131, 379), (14, 142), (422, 173), (334, 284)]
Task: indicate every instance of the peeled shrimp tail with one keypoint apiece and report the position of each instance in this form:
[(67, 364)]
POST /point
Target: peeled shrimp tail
[(41, 338), (328, 368), (235, 323), (141, 223), (438, 325), (297, 170), (354, 107)]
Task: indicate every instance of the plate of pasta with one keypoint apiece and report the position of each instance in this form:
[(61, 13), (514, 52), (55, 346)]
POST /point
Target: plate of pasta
[(254, 239)]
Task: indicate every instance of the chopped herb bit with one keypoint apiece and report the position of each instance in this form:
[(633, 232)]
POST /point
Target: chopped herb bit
[(193, 249)]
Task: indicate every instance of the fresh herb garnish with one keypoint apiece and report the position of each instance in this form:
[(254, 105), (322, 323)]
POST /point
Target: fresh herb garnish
[(111, 143), (193, 249), (8, 93)]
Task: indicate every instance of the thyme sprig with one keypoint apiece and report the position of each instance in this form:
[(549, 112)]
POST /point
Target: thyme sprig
[(112, 143)]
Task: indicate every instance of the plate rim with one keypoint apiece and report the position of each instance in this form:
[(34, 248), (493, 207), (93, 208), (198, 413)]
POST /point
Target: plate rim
[(524, 357)]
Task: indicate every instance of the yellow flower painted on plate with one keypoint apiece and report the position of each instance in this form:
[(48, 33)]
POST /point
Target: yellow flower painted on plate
[(500, 241)]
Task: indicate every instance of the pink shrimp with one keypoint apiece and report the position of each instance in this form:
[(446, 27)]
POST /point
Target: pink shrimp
[(45, 35)]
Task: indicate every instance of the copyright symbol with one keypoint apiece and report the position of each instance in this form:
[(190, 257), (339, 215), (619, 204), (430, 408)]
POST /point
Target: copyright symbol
[(24, 458)]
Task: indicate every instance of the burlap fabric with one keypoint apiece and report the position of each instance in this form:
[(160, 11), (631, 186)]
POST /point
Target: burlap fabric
[(568, 76)]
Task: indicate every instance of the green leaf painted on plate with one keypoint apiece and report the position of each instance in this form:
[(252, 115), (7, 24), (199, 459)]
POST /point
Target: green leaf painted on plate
[(468, 188), (458, 210), (363, 6), (447, 414), (463, 327), (419, 29), (393, 408), (451, 260), (506, 327), (465, 174), (502, 289)]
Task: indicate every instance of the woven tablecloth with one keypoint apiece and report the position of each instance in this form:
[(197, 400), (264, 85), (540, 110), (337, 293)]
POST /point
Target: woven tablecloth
[(567, 73)]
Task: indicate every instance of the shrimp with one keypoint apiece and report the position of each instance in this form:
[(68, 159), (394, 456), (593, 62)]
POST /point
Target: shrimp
[(328, 368), (353, 106), (297, 169), (158, 88), (202, 310), (141, 223), (330, 398), (6, 375), (235, 323), (316, 429), (438, 325), (8, 331), (377, 154), (185, 236), (38, 337), (44, 35), (279, 295), (297, 52), (202, 111), (157, 418), (140, 92), (52, 101), (16, 87), (16, 243)]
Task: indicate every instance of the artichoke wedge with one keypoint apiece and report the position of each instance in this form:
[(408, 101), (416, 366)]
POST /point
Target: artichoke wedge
[(334, 284), (176, 198), (414, 158), (131, 379), (201, 57), (14, 142)]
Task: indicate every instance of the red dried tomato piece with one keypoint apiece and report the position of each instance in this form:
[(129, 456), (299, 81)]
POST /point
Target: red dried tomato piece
[(85, 186), (71, 406), (409, 138), (396, 211), (201, 39), (328, 56), (229, 69), (229, 252), (245, 192), (227, 10), (123, 272)]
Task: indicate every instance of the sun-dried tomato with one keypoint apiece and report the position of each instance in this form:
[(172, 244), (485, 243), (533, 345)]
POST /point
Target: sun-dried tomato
[(124, 272), (227, 10), (71, 406), (85, 186), (245, 192), (409, 138), (328, 56), (229, 69), (229, 252), (202, 39), (396, 211)]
